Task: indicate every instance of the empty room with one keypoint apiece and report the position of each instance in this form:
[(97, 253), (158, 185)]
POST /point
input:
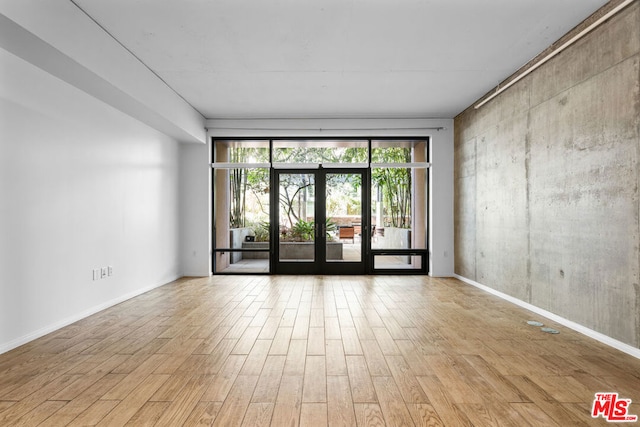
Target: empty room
[(345, 213)]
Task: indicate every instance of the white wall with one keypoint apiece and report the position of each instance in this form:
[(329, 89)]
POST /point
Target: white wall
[(195, 202), (83, 186), (441, 249), (59, 38)]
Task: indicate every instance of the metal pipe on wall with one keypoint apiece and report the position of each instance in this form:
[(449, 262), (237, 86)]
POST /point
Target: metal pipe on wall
[(565, 45)]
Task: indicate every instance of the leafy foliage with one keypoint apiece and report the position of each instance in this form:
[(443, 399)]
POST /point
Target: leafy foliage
[(395, 183), (304, 231), (261, 231), (396, 186)]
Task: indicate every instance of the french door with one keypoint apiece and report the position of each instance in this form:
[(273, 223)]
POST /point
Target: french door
[(312, 234)]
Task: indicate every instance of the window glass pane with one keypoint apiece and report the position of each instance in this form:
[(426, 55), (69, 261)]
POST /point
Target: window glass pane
[(397, 262), (343, 227), (296, 217), (244, 262), (391, 202), (241, 151), (320, 151), (398, 151), (242, 217)]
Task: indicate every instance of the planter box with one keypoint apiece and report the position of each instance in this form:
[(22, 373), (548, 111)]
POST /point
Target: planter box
[(236, 238), (292, 250), (255, 245)]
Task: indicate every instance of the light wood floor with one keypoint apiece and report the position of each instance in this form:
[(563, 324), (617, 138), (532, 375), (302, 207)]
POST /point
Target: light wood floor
[(312, 350)]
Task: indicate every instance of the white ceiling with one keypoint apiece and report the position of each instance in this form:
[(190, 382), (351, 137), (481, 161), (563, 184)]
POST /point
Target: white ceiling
[(335, 58)]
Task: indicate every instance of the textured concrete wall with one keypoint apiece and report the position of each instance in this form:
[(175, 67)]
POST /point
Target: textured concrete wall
[(546, 184)]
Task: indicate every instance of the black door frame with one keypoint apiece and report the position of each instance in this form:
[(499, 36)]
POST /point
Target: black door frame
[(368, 253), (320, 265)]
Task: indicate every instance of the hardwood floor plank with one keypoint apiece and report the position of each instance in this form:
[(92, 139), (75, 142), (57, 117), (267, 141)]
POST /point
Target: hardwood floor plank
[(84, 400), (247, 340), (332, 329), (236, 404), (36, 382), (313, 414), (301, 328), (315, 342), (135, 377), (315, 380), (362, 389), (268, 331), (414, 358), (185, 400), (363, 328), (394, 409), (376, 361), (328, 350), (296, 358), (406, 382), (545, 401), (442, 402), (258, 415), (336, 362), (149, 414), (350, 341), (447, 372), (210, 343), (423, 414), (132, 403), (203, 414), (256, 358), (214, 361), (289, 317), (281, 340), (339, 401), (94, 413), (289, 402), (35, 399), (317, 320), (170, 388), (396, 331), (89, 378), (499, 384), (478, 414), (222, 382), (369, 415), (386, 342), (269, 382), (261, 317), (41, 413), (534, 414)]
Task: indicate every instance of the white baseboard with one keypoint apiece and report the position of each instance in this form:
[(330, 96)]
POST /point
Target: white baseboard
[(79, 316), (619, 345)]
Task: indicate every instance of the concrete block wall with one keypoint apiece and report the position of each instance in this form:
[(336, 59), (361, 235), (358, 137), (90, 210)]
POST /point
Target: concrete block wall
[(546, 184)]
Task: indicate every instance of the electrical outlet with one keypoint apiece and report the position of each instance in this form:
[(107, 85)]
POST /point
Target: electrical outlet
[(110, 270), (103, 272), (96, 274)]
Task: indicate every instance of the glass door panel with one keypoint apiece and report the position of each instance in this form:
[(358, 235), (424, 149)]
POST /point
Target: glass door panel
[(343, 223), (391, 203), (242, 221), (321, 226), (296, 217)]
